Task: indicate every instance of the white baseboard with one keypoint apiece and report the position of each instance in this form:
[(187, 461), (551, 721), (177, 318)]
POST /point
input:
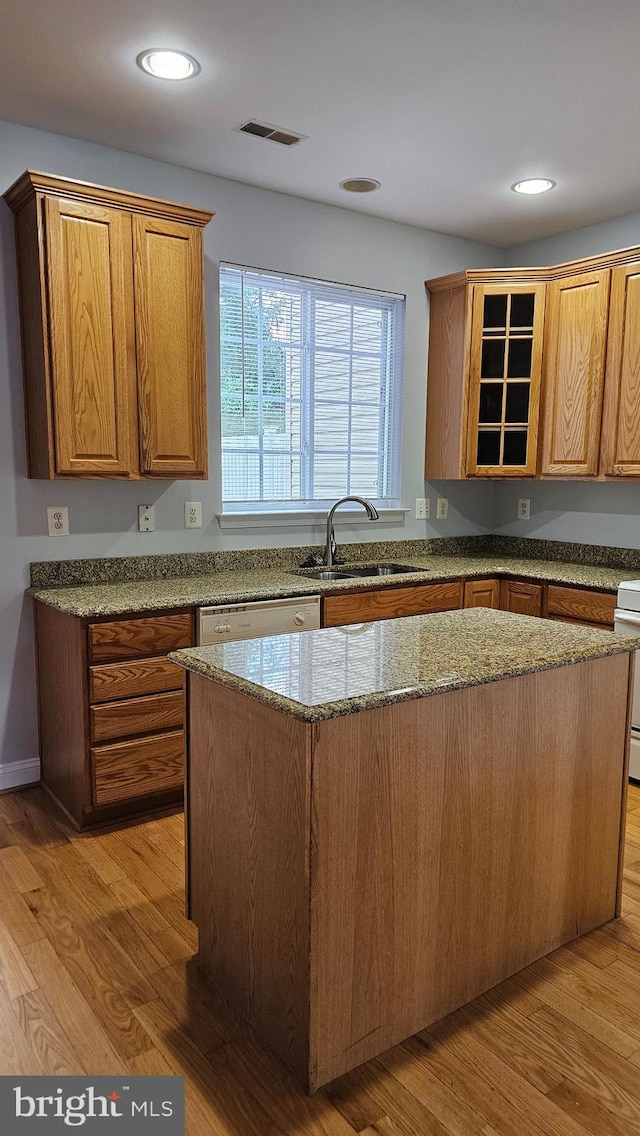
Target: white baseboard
[(17, 773)]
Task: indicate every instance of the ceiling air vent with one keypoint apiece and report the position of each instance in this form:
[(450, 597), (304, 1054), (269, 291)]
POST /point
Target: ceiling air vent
[(272, 133)]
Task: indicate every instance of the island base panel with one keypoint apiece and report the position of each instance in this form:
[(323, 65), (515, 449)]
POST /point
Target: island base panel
[(248, 806), (356, 879), (457, 839)]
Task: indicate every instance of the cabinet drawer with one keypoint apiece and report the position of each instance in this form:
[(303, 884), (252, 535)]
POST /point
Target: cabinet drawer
[(137, 716), (137, 768), (150, 635), (388, 603), (577, 603), (126, 680)]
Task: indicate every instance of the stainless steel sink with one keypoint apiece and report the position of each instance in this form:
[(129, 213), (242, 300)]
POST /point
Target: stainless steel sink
[(320, 574), (354, 572), (381, 570)]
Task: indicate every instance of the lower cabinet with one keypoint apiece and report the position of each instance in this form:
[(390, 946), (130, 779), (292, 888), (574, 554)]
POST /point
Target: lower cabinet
[(521, 597), (578, 605), (559, 601), (389, 603), (524, 597), (481, 593), (111, 710)]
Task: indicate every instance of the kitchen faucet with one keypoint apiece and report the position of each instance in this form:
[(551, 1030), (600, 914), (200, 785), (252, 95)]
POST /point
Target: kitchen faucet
[(372, 514)]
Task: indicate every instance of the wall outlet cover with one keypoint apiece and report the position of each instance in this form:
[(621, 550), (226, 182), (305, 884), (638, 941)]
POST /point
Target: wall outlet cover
[(442, 510), (193, 514), (524, 508), (58, 520)]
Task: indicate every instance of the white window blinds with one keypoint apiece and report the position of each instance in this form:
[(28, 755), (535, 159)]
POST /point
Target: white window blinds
[(311, 379)]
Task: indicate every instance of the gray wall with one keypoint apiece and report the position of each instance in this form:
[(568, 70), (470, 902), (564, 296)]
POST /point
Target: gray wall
[(604, 237), (588, 512), (253, 227), (563, 510)]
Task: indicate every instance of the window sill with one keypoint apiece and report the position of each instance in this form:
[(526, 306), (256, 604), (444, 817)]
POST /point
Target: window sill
[(306, 518)]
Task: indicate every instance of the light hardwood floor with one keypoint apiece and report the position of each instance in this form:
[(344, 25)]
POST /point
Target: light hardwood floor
[(97, 976)]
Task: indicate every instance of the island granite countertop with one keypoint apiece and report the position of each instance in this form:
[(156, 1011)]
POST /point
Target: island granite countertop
[(316, 675), (244, 585)]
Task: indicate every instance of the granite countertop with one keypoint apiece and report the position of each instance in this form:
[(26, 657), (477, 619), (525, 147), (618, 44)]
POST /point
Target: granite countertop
[(243, 585), (316, 675)]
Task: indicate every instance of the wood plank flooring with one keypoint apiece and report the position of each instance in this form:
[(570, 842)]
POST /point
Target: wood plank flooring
[(97, 975)]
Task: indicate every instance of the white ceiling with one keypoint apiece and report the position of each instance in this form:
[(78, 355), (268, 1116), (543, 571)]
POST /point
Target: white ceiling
[(446, 102)]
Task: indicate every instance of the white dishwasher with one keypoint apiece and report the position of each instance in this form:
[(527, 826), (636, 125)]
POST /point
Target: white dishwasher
[(627, 622), (227, 622)]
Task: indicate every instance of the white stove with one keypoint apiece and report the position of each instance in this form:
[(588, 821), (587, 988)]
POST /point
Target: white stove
[(627, 621)]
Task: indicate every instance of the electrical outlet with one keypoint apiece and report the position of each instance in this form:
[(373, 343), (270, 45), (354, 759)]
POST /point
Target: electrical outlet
[(423, 508), (58, 520), (442, 510), (524, 508), (146, 518), (193, 514)]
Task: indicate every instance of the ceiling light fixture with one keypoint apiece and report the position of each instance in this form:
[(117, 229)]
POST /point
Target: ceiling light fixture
[(163, 64), (533, 185), (360, 185)]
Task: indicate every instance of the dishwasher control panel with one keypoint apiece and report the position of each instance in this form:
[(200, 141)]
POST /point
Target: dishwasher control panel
[(227, 623)]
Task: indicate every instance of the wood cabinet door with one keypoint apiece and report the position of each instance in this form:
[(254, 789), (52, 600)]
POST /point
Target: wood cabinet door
[(169, 319), (90, 297), (520, 597), (504, 380), (620, 448), (482, 593), (575, 345)]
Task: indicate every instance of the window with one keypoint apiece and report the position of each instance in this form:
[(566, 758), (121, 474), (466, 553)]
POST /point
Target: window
[(310, 388)]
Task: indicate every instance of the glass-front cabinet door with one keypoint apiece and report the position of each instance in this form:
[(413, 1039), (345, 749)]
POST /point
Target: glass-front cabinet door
[(504, 380)]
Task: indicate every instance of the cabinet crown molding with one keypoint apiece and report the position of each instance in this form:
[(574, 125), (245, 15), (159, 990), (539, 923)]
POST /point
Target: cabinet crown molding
[(534, 275), (33, 182)]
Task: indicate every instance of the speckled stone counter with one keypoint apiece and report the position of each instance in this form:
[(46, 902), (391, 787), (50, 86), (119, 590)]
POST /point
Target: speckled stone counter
[(316, 675), (248, 584)]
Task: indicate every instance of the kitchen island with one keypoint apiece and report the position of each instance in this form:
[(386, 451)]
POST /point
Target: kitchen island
[(385, 820)]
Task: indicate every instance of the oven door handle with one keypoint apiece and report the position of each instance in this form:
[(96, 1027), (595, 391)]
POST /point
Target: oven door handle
[(632, 617)]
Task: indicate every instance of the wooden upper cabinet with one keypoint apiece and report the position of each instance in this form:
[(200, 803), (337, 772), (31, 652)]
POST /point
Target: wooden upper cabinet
[(496, 370), (504, 380), (483, 382), (93, 381), (575, 348), (620, 451), (447, 380), (111, 299), (169, 307)]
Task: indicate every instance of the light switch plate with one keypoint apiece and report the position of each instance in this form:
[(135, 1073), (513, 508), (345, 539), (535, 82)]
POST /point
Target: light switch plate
[(58, 520), (423, 508)]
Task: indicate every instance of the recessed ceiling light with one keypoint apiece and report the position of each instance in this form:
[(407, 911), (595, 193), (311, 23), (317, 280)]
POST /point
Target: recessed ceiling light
[(533, 185), (360, 185), (168, 64)]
